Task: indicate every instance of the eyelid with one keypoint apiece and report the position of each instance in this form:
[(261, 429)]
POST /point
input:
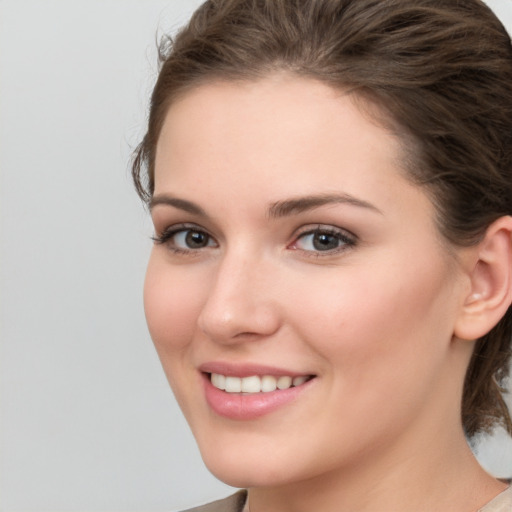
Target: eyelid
[(167, 233), (348, 238), (328, 228)]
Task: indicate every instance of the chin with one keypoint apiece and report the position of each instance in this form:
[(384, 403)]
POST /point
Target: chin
[(242, 479), (247, 475), (244, 468)]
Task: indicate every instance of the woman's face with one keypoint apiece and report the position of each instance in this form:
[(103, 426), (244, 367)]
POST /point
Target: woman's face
[(293, 251)]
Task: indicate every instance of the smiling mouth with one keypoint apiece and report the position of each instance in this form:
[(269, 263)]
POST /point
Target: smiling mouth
[(255, 383)]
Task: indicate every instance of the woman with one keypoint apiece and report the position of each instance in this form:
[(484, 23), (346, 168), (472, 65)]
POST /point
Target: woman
[(329, 291)]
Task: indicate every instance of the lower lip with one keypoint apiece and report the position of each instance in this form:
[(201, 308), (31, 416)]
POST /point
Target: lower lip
[(238, 406)]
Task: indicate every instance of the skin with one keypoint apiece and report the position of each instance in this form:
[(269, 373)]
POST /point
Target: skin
[(373, 319)]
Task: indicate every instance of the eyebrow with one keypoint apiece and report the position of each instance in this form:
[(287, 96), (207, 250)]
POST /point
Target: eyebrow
[(181, 204), (276, 210), (302, 204)]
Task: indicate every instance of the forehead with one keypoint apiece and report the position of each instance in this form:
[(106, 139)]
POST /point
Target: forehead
[(280, 136), (278, 113)]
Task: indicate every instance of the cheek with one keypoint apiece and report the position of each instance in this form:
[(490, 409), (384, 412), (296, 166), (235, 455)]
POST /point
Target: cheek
[(384, 341), (382, 316), (172, 304)]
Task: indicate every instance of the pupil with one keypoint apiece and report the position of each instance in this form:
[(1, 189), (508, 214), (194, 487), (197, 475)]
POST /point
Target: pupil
[(195, 240), (324, 242)]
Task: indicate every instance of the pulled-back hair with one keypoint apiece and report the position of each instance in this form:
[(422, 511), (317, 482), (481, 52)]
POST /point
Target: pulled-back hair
[(440, 71)]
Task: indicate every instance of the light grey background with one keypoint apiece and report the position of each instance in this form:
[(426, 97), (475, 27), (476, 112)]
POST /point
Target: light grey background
[(87, 419)]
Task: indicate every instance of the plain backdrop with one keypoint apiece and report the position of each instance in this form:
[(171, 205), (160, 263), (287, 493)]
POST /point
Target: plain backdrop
[(87, 419)]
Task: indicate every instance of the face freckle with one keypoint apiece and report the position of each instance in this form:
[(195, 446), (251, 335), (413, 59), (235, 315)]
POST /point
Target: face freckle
[(369, 320)]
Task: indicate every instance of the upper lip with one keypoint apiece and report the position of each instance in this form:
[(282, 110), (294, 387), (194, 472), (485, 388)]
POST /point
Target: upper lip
[(247, 369)]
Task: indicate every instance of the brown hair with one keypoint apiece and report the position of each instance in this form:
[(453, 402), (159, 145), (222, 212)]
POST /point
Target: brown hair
[(441, 71)]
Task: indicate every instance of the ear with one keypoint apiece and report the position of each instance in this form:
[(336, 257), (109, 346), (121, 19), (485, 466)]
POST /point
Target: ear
[(491, 282)]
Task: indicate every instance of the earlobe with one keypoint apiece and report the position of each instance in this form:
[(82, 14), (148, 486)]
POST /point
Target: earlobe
[(491, 282)]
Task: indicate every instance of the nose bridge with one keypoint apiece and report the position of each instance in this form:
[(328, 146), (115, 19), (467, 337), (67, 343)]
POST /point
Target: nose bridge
[(239, 301)]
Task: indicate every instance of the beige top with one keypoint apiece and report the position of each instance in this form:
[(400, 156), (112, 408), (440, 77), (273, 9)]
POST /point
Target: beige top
[(502, 502), (236, 503)]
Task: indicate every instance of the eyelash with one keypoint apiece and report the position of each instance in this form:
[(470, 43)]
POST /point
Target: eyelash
[(345, 239), (167, 235)]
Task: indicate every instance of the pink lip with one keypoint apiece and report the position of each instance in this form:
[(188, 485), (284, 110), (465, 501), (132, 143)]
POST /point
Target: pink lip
[(246, 370), (244, 407)]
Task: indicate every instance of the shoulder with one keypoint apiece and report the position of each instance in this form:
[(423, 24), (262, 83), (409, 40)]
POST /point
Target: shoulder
[(501, 503), (234, 503)]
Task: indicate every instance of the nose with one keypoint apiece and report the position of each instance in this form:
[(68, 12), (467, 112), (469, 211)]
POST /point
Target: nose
[(240, 304)]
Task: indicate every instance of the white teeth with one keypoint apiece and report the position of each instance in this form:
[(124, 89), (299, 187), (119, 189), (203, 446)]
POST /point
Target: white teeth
[(254, 383), (251, 384), (297, 381), (284, 382), (268, 383), (233, 385), (219, 381)]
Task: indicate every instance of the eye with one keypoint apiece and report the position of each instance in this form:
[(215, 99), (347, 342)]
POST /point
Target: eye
[(327, 240), (185, 239), (190, 239)]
